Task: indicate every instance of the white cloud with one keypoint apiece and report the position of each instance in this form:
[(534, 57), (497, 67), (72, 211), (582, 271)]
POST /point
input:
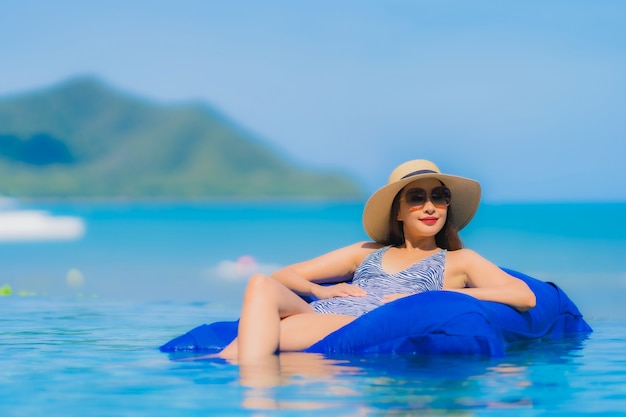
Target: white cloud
[(240, 269), (35, 225)]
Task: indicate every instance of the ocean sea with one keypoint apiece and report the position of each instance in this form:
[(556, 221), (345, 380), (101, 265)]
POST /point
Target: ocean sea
[(91, 296)]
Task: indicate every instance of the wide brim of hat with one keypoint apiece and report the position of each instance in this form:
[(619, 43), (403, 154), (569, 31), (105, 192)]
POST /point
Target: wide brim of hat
[(465, 200)]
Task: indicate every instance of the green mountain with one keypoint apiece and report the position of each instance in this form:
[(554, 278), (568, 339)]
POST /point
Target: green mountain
[(84, 139)]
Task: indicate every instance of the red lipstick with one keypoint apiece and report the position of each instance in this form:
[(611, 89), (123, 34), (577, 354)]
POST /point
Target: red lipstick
[(429, 220)]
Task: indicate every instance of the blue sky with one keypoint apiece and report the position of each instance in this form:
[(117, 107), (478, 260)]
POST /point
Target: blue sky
[(528, 97)]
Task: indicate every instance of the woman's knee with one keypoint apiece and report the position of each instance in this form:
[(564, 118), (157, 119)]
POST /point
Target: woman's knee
[(259, 285), (258, 281)]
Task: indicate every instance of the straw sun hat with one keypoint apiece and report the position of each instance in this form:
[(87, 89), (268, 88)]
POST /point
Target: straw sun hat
[(465, 197)]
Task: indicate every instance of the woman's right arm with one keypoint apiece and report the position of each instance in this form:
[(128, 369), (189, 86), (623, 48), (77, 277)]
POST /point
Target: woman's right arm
[(304, 278)]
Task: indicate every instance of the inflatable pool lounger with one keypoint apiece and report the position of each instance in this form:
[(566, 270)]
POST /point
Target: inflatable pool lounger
[(429, 323)]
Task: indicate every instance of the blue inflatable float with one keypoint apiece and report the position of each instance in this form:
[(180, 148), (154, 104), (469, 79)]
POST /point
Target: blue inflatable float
[(429, 323)]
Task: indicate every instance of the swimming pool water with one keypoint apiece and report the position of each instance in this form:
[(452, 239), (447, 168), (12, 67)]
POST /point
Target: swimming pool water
[(92, 357), (86, 343)]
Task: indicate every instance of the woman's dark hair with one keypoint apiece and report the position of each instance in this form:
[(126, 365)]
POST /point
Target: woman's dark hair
[(447, 238)]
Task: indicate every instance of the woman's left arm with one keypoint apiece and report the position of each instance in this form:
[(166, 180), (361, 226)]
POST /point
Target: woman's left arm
[(469, 273)]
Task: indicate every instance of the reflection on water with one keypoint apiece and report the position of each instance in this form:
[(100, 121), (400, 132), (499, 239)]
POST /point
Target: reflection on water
[(263, 377), (396, 384), (91, 358), (276, 382)]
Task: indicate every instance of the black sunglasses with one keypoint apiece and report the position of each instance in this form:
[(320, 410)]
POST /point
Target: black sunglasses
[(417, 197)]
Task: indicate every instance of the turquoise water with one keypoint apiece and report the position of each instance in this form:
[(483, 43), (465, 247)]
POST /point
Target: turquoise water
[(149, 272)]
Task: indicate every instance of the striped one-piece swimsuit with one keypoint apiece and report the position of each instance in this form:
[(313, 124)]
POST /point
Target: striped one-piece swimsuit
[(425, 275)]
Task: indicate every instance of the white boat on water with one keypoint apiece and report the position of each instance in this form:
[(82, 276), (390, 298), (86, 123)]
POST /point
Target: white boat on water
[(36, 225)]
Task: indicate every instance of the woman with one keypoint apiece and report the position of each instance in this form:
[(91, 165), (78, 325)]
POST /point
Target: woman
[(414, 221)]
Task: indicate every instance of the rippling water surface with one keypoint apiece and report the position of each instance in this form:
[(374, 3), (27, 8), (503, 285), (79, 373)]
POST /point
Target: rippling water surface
[(91, 357), (84, 318)]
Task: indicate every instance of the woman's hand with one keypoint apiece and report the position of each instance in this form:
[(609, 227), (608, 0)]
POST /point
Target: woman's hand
[(338, 290), (393, 297)]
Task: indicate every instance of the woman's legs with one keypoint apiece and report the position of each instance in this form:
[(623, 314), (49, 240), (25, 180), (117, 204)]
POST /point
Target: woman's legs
[(299, 331), (273, 315), (265, 302)]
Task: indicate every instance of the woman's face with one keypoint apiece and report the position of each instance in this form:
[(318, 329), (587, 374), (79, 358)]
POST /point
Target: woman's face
[(423, 207)]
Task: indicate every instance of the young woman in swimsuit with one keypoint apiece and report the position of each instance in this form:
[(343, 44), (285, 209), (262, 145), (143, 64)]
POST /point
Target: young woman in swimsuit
[(414, 222)]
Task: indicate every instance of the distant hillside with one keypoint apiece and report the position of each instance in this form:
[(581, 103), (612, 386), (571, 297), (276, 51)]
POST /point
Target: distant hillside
[(83, 139)]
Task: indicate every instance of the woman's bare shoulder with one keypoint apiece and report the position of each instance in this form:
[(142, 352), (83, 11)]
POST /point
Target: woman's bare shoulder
[(461, 254), (462, 258), (361, 249), (353, 253), (368, 245)]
